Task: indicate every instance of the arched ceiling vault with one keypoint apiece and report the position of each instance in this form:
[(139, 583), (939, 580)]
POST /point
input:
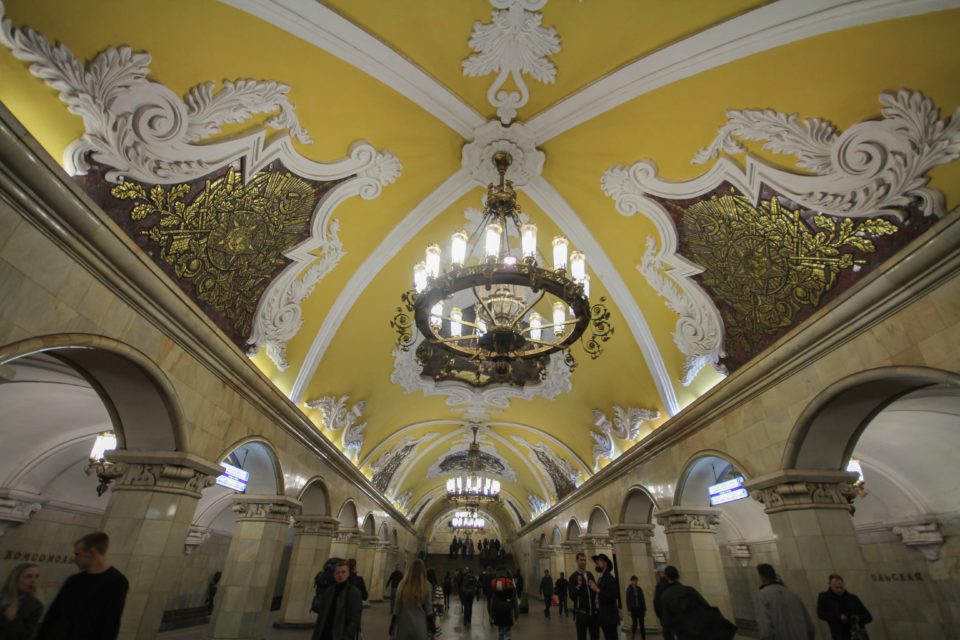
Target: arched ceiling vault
[(370, 120)]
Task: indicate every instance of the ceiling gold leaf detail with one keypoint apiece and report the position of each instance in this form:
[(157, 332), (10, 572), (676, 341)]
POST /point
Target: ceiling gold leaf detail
[(228, 241), (766, 263)]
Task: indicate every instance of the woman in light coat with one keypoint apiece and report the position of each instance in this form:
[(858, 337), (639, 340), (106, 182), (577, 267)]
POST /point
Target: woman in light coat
[(412, 617)]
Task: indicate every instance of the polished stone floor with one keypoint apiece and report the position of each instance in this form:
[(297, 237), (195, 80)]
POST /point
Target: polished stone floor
[(376, 620)]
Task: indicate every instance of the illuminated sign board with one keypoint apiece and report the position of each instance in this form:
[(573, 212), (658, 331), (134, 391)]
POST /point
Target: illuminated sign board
[(233, 478), (727, 491)]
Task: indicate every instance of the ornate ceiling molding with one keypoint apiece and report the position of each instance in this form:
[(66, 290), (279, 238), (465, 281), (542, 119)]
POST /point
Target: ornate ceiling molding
[(564, 477), (321, 26), (767, 27), (337, 417), (876, 167), (549, 199), (517, 140), (384, 469), (477, 404), (537, 505), (514, 43), (143, 131), (429, 208), (625, 426)]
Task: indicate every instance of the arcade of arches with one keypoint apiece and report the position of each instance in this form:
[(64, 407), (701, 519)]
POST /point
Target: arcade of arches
[(207, 269)]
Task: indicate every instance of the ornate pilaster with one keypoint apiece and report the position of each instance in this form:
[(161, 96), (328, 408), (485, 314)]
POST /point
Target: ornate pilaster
[(631, 533), (925, 537), (381, 564), (345, 542), (173, 472), (689, 520), (313, 536), (16, 507), (796, 489), (265, 508), (196, 536), (305, 525), (631, 543)]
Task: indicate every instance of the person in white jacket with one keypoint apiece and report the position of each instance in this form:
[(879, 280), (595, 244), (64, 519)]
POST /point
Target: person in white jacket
[(781, 614)]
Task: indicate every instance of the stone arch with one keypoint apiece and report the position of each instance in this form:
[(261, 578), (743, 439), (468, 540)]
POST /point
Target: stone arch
[(315, 498), (142, 403), (638, 507), (383, 533), (573, 530), (263, 454), (555, 537), (369, 527), (827, 431), (347, 515), (599, 521), (694, 465), (543, 541)]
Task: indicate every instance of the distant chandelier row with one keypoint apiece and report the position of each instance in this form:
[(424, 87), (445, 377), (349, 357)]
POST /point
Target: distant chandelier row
[(494, 305), (467, 520)]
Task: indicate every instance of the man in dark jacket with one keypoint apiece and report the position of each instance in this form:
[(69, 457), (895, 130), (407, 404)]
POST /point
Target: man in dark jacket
[(842, 610), (468, 593), (637, 606), (560, 588), (662, 583), (546, 590), (608, 594), (688, 615), (357, 580), (584, 601), (394, 581), (339, 608)]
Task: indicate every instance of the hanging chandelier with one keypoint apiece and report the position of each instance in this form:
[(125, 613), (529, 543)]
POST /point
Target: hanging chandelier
[(495, 311), (473, 487), (467, 520)]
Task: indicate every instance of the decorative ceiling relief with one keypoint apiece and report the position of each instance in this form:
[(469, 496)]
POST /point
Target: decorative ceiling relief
[(517, 140), (385, 467), (626, 425), (337, 417), (477, 403), (562, 474), (513, 44), (746, 254), (140, 130), (537, 505), (402, 502)]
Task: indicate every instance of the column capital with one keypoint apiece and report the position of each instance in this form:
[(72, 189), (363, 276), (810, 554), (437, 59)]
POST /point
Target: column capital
[(626, 533), (796, 489), (196, 536), (570, 546), (924, 536), (175, 472), (265, 508), (16, 507), (548, 551), (689, 519), (595, 540), (347, 534), (307, 525), (368, 541)]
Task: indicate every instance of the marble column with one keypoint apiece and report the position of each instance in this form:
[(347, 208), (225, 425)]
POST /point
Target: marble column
[(242, 607), (631, 543), (692, 538), (313, 536), (365, 552), (570, 549), (596, 543), (152, 503), (810, 514), (381, 569), (345, 543)]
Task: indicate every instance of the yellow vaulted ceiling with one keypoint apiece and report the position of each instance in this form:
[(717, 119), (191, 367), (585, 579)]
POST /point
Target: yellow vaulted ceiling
[(836, 76)]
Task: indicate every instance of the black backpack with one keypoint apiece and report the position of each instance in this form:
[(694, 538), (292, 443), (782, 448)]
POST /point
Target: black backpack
[(469, 585)]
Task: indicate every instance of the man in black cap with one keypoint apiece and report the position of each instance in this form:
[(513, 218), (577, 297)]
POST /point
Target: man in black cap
[(584, 600), (608, 593)]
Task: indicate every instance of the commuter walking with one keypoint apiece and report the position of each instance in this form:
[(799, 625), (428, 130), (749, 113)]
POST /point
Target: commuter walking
[(504, 603), (447, 590), (688, 615), (90, 603), (608, 593), (412, 613), (560, 589), (20, 610), (842, 611), (584, 601), (357, 580), (662, 583), (468, 592), (339, 607), (637, 606), (546, 590), (394, 581), (780, 612)]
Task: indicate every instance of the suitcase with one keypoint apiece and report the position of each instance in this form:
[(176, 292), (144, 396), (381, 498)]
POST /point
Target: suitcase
[(524, 605)]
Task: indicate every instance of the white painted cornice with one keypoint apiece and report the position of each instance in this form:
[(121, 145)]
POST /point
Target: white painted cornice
[(553, 204), (765, 28), (312, 22), (429, 208)]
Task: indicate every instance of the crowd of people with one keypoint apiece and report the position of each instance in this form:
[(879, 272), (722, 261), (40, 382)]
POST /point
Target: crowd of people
[(90, 603), (487, 551)]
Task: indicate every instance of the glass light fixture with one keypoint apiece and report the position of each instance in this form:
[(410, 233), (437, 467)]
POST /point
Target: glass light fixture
[(560, 245), (510, 261), (492, 242), (456, 317), (481, 327), (436, 315), (559, 317), (536, 321), (586, 285), (433, 261), (106, 441), (578, 266), (528, 240), (98, 464), (458, 248), (420, 277)]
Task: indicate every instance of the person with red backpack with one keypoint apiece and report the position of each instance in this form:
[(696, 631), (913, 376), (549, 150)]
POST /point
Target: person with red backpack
[(503, 604)]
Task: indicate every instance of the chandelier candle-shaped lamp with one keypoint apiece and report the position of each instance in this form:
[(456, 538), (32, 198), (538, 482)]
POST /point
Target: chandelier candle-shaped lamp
[(490, 303), (473, 487), (467, 520)]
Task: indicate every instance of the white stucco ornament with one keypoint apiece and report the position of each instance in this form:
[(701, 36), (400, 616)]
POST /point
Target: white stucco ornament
[(513, 44), (143, 131), (517, 140), (337, 416)]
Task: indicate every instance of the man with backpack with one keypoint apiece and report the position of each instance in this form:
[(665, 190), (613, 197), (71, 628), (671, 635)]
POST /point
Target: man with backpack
[(468, 591), (688, 615), (504, 603)]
